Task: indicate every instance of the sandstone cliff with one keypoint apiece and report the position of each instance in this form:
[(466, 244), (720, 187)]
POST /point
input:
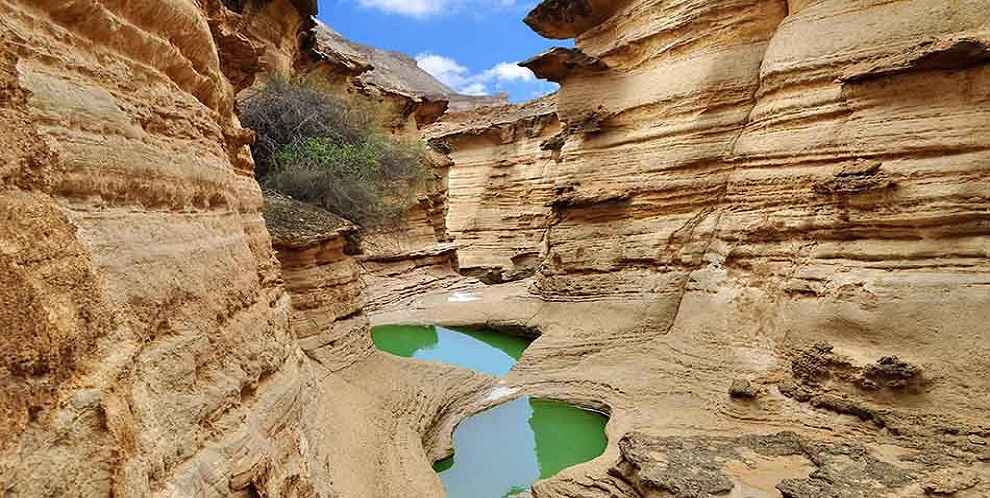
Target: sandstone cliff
[(143, 297), (755, 232), (499, 185), (406, 99), (782, 200), (149, 344)]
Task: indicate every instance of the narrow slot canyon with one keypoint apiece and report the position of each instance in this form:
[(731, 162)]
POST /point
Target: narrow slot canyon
[(742, 251)]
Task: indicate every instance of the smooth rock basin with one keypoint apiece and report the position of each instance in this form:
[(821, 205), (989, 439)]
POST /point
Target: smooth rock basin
[(502, 451)]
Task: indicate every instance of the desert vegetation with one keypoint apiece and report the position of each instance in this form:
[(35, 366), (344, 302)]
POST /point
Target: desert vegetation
[(320, 149)]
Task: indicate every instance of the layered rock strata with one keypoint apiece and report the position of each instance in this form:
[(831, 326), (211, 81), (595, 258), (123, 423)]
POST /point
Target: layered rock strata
[(323, 282), (257, 40), (385, 418), (761, 216), (150, 310), (406, 97), (500, 181), (830, 184), (149, 345), (757, 232), (407, 100)]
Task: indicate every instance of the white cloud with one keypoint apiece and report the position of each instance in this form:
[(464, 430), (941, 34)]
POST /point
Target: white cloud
[(427, 8), (445, 69), (475, 89), (415, 8), (460, 78), (504, 71)]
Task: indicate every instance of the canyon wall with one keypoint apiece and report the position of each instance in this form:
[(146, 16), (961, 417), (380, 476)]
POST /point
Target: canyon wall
[(147, 320), (499, 185), (746, 216), (376, 421), (150, 346), (755, 232), (257, 40), (788, 173), (406, 100)]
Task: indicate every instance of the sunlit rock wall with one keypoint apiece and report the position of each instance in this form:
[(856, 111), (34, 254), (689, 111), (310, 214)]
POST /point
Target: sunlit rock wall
[(149, 346), (789, 194), (146, 335), (764, 176), (500, 183), (323, 281)]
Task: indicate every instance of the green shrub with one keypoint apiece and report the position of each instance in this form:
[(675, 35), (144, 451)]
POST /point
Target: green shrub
[(317, 149), (286, 111)]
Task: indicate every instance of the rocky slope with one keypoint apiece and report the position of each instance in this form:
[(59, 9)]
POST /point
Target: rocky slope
[(407, 97)]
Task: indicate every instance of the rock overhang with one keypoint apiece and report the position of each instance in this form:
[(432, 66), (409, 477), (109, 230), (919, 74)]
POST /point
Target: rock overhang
[(559, 63), (562, 19)]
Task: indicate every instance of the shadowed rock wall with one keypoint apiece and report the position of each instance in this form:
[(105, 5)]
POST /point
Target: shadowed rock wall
[(149, 347)]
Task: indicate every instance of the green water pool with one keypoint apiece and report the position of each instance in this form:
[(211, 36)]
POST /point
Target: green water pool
[(502, 451), (486, 351)]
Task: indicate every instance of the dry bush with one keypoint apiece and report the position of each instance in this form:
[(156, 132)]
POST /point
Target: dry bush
[(316, 148)]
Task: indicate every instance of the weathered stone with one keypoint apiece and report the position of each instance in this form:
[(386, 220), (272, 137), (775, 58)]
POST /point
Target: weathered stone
[(736, 180), (743, 389), (948, 482), (559, 63)]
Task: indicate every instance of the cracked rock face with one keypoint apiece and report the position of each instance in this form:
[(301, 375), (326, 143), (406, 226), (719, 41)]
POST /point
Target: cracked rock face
[(781, 464)]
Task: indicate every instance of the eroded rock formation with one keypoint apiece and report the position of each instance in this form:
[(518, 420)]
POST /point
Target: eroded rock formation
[(498, 186), (755, 232), (149, 344), (407, 97), (785, 201), (149, 300)]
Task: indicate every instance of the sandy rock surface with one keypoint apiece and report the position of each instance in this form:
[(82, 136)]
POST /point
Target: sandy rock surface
[(153, 345), (755, 232), (789, 198)]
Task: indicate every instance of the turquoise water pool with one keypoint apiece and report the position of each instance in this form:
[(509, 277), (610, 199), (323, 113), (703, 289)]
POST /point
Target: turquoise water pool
[(502, 451)]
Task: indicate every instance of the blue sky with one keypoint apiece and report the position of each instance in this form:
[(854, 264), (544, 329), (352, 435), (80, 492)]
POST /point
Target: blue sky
[(471, 45)]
